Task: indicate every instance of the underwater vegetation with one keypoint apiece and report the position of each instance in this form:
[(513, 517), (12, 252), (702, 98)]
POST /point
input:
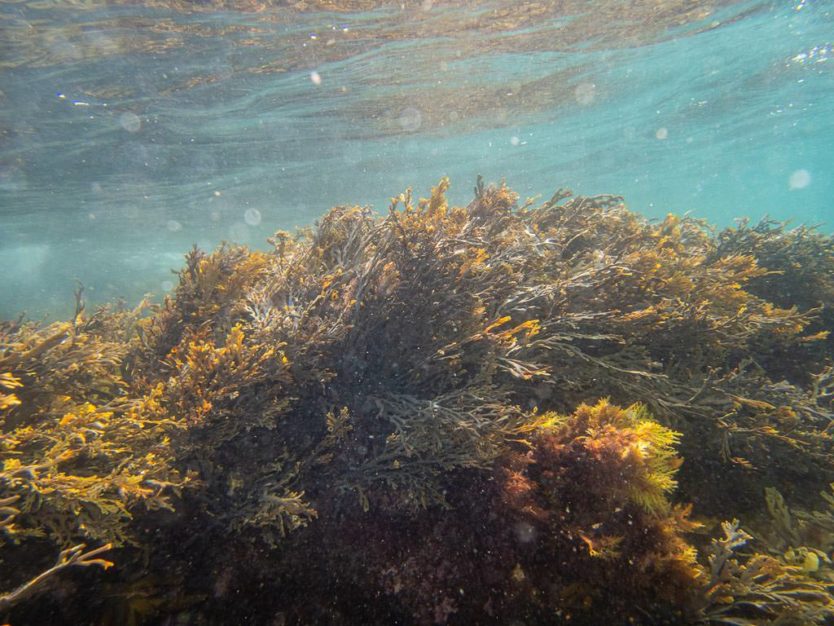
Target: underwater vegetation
[(508, 412)]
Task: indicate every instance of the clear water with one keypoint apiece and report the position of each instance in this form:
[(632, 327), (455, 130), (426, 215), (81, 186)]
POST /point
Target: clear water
[(130, 131)]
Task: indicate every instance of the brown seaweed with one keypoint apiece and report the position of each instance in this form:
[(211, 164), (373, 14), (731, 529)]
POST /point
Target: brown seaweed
[(406, 384)]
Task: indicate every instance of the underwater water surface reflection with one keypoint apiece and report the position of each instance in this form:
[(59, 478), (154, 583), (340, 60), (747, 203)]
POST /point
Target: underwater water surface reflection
[(155, 126)]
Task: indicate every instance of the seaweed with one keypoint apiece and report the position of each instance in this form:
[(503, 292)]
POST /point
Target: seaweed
[(449, 380), (594, 488), (71, 557), (759, 588), (76, 459), (800, 264)]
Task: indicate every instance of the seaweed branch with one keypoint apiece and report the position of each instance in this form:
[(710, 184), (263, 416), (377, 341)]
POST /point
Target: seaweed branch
[(71, 557)]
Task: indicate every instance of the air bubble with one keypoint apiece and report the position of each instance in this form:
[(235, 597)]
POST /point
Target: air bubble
[(252, 217)]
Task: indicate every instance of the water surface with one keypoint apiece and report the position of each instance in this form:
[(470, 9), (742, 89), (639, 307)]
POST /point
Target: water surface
[(130, 131)]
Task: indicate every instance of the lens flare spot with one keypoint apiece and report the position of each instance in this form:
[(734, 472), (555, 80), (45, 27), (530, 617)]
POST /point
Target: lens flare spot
[(799, 179)]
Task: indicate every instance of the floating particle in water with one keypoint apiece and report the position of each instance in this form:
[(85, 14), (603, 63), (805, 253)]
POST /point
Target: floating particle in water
[(173, 226), (515, 140), (252, 217), (130, 122), (585, 93), (524, 532), (410, 119), (214, 216), (662, 133), (96, 188), (799, 179), (315, 77), (167, 285)]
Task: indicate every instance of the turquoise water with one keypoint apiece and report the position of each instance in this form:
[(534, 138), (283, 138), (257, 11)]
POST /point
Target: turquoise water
[(129, 132)]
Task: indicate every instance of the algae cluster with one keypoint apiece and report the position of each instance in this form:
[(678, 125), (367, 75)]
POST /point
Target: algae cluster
[(500, 413)]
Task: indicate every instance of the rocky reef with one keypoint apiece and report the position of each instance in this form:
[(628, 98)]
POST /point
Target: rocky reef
[(509, 412)]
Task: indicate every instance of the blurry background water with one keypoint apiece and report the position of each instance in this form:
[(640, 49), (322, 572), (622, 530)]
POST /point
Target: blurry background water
[(130, 130)]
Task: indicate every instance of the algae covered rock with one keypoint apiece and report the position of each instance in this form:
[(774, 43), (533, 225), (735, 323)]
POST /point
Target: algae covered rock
[(418, 417)]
